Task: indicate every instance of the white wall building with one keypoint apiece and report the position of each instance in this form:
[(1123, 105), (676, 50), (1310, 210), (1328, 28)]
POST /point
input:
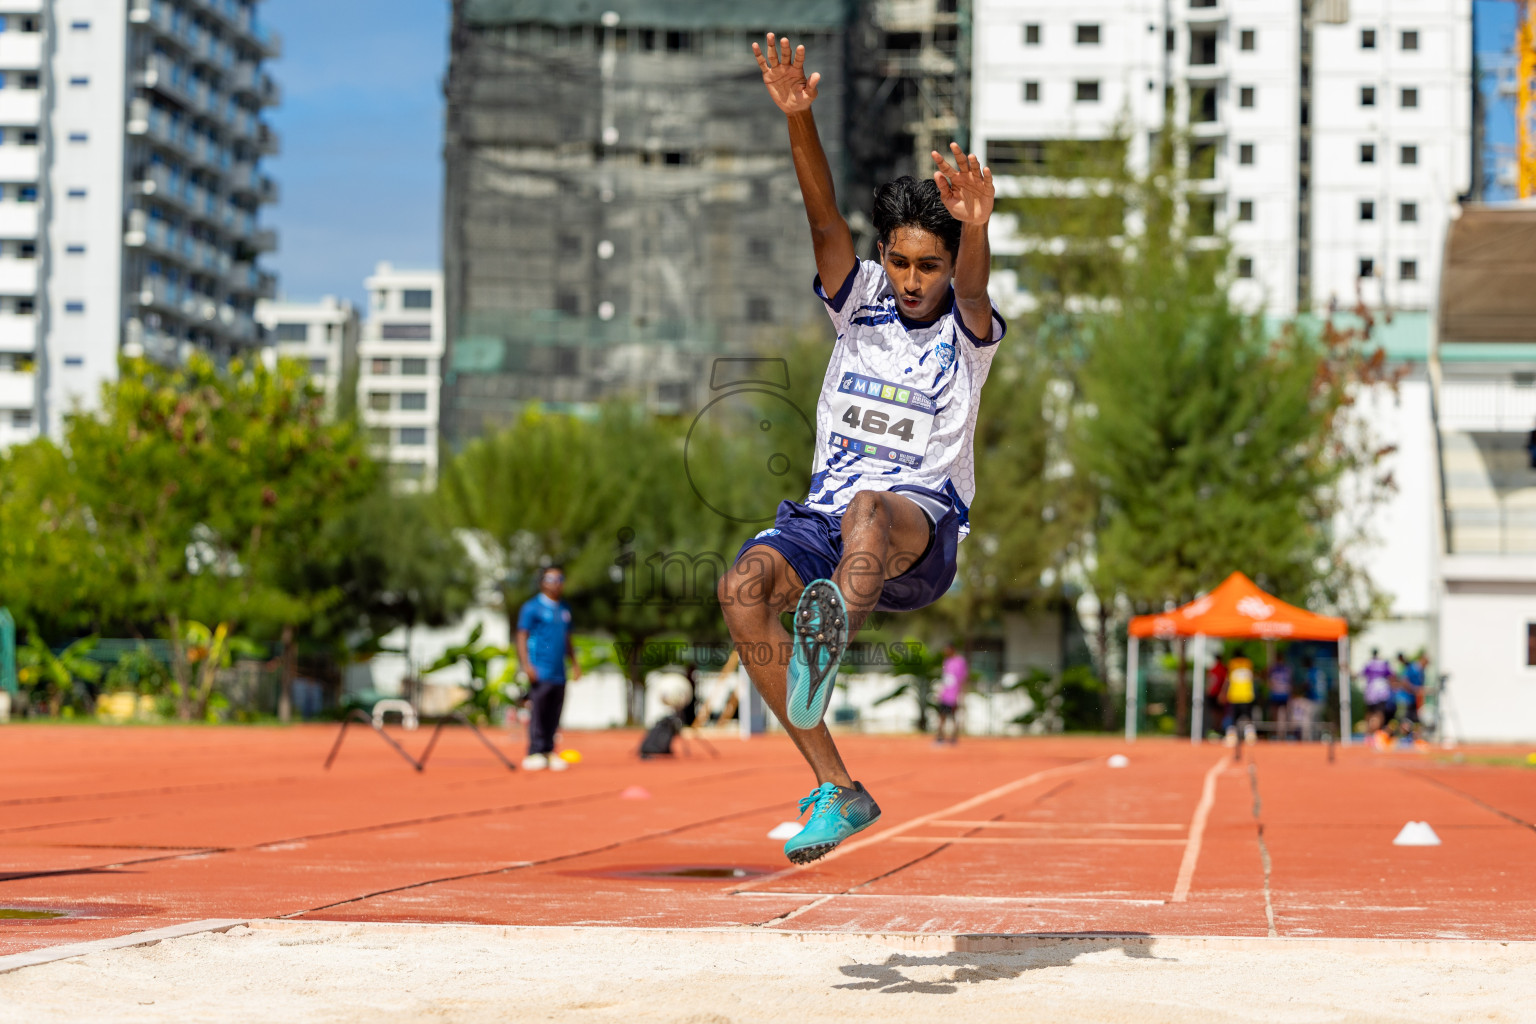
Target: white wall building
[(323, 335), (1332, 150), (130, 144), (400, 377)]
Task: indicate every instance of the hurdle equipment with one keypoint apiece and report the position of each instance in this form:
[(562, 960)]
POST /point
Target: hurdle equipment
[(375, 723)]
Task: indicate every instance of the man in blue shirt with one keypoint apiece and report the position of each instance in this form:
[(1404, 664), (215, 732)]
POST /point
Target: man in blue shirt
[(543, 645)]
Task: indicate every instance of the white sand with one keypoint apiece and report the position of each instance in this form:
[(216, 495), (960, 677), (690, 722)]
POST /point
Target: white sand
[(298, 973)]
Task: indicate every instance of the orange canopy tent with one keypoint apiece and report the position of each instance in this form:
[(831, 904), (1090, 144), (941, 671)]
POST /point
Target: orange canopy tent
[(1235, 609)]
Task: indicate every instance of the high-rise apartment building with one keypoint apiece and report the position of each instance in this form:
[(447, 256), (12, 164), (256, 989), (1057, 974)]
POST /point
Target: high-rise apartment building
[(322, 335), (131, 139), (1329, 140), (400, 370)]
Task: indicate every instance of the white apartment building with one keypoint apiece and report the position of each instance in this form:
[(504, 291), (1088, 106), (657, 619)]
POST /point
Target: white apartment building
[(130, 144), (400, 360), (1331, 148), (322, 335)]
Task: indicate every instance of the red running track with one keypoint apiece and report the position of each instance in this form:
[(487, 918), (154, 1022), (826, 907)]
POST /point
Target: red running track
[(123, 829)]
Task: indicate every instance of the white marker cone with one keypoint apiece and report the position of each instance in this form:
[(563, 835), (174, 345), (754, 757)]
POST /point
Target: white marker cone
[(786, 830), (1417, 833)]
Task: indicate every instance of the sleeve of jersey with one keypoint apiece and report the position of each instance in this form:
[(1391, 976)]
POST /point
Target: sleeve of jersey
[(525, 617), (999, 328), (850, 295)]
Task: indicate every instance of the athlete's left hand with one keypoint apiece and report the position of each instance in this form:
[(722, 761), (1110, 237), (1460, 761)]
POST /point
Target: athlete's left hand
[(965, 186)]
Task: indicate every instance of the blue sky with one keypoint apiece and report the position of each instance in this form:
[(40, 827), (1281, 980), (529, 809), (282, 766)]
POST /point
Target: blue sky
[(361, 125)]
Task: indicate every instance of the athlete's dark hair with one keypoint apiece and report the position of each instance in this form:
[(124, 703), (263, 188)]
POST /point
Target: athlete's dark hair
[(908, 202)]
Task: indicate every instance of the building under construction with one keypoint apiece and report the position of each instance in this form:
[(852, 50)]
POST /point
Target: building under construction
[(620, 202)]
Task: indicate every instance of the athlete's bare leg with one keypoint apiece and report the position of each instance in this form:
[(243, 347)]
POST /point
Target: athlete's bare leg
[(753, 594), (884, 535)]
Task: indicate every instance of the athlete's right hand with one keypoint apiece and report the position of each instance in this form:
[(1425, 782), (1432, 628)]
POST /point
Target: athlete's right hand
[(784, 75)]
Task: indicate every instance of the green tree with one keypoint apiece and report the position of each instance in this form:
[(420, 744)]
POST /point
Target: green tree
[(56, 680)]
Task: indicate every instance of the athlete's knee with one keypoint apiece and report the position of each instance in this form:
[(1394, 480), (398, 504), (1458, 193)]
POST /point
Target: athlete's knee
[(865, 510), (748, 587)]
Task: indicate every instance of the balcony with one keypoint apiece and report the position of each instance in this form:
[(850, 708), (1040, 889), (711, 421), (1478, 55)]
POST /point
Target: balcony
[(268, 142), (18, 332), (18, 389), (18, 220), (19, 163), (1206, 12), (1498, 406), (264, 240), (21, 50), (248, 279), (21, 106), (18, 276)]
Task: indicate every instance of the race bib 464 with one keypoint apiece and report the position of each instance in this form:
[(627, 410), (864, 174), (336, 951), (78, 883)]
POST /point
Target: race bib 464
[(881, 420)]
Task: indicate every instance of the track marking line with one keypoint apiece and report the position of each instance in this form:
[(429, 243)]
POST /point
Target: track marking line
[(1111, 825), (1258, 820), (1042, 840), (918, 822), (966, 899), (68, 951), (1197, 831)]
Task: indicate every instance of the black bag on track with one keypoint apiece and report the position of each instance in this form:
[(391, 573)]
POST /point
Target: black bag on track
[(659, 737)]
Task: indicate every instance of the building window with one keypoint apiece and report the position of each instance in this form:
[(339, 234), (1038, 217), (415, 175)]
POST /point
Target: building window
[(1408, 213), (759, 311), (1087, 35), (1367, 210), (291, 332), (25, 306), (1245, 210), (74, 306), (21, 418), (413, 435), (378, 435), (29, 137), (409, 470), (679, 42), (74, 362), (1245, 96), (1031, 92), (80, 80), (570, 247), (26, 250), (76, 193), (75, 249), (406, 332), (379, 401), (413, 401), (80, 26), (1031, 35), (1410, 98), (413, 367), (1410, 39), (1245, 267), (1202, 48), (1245, 154), (31, 81), (1367, 39), (1367, 95), (1170, 41), (79, 137), (1248, 40), (759, 249), (318, 366), (1367, 267), (1087, 92), (1407, 270), (1530, 645), (567, 303), (1367, 152), (1409, 156), (380, 367), (26, 194), (416, 298)]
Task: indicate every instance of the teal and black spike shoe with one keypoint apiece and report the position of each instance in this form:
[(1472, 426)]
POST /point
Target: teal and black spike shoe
[(820, 637), (837, 812)]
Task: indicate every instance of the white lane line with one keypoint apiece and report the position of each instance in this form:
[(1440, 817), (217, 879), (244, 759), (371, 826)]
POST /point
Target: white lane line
[(965, 899), (1110, 825), (1197, 831), (1042, 840), (918, 822)]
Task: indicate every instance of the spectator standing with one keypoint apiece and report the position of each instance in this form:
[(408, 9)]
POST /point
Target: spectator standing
[(1240, 696), (1409, 693), (953, 674), (1377, 675), (1280, 698), (1306, 699), (1215, 690), (543, 647)]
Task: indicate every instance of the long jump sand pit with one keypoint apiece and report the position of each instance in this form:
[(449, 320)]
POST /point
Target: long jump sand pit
[(302, 972)]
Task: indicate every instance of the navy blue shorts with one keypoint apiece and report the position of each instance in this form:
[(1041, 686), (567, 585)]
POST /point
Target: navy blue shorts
[(812, 543)]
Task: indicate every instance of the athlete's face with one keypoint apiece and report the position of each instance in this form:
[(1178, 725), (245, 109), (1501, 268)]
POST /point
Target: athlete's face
[(920, 269)]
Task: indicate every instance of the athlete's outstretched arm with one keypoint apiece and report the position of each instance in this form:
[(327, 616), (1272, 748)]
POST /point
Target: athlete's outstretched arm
[(966, 188), (784, 75)]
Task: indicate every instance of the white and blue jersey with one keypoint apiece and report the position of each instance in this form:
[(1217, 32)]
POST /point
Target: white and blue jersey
[(898, 404)]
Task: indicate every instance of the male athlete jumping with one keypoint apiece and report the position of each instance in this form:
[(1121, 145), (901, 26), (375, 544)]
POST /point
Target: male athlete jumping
[(890, 496)]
